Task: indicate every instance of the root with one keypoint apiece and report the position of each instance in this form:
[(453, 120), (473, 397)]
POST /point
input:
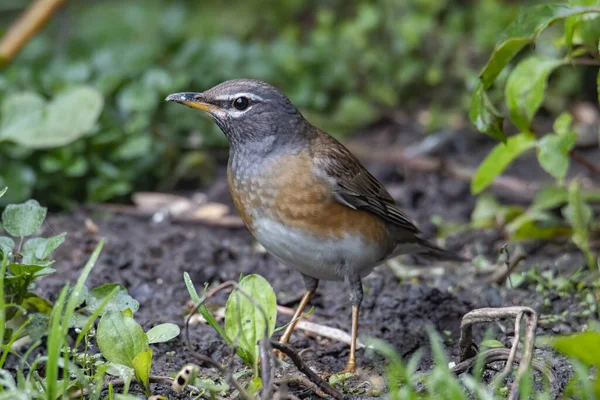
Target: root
[(468, 357)]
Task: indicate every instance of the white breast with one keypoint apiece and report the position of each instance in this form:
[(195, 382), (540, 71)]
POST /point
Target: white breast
[(329, 259)]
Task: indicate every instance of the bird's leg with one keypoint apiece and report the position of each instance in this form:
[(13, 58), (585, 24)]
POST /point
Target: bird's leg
[(311, 286), (356, 296)]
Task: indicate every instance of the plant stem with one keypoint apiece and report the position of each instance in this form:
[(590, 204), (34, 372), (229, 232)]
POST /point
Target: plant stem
[(28, 24)]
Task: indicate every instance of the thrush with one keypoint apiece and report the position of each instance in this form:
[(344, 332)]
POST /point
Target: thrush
[(304, 196)]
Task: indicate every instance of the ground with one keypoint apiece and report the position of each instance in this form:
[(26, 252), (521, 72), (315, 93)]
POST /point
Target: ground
[(150, 258)]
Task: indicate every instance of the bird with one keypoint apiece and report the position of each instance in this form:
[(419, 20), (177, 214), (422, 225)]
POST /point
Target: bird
[(304, 196)]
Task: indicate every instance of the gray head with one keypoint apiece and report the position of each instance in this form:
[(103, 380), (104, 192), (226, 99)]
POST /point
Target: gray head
[(246, 110)]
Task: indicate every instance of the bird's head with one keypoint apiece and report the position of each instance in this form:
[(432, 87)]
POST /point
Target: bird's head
[(245, 109)]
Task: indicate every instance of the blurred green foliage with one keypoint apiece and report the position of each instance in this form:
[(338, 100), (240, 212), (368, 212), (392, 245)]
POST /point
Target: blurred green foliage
[(345, 64)]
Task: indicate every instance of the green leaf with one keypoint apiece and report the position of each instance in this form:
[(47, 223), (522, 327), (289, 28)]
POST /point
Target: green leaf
[(142, 364), (492, 344), (525, 89), (38, 326), (562, 124), (579, 214), (553, 153), (484, 115), (244, 320), (121, 301), (29, 121), (24, 219), (120, 338), (550, 196), (162, 333), (39, 249), (26, 269), (485, 212), (522, 31), (21, 179), (6, 245), (581, 347), (203, 310), (498, 159), (535, 224)]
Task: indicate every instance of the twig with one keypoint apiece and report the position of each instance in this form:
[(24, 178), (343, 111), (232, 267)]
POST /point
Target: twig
[(496, 355), (301, 380), (509, 187), (28, 24), (581, 160), (486, 315), (310, 374), (513, 350), (228, 221), (500, 274), (164, 380)]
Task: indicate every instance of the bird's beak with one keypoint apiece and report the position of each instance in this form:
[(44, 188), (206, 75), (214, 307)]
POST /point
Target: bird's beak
[(192, 99)]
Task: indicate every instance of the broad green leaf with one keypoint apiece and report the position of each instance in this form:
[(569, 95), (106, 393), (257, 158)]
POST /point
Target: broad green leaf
[(550, 196), (525, 89), (120, 338), (39, 249), (562, 124), (6, 245), (484, 214), (23, 269), (499, 158), (24, 219), (244, 320), (535, 224), (121, 301), (162, 333), (36, 304), (581, 346), (579, 214), (30, 121), (38, 326), (21, 179), (523, 31), (553, 153), (484, 115), (141, 367)]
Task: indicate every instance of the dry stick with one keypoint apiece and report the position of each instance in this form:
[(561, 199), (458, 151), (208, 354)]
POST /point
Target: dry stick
[(310, 374), (583, 161), (301, 380), (28, 24), (496, 355), (530, 325), (513, 350), (500, 274), (486, 315), (165, 380), (514, 188)]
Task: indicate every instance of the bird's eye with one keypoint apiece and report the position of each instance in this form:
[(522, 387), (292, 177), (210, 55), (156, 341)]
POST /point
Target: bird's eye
[(241, 103)]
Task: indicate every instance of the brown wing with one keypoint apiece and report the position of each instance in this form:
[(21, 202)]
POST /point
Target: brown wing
[(355, 187)]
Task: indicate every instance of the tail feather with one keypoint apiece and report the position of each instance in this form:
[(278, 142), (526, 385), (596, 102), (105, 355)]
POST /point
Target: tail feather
[(424, 248)]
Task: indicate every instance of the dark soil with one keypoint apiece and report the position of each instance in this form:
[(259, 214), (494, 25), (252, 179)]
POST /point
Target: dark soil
[(149, 259)]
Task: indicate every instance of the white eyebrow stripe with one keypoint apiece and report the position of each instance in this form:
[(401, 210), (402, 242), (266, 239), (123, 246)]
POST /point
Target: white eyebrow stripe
[(232, 97)]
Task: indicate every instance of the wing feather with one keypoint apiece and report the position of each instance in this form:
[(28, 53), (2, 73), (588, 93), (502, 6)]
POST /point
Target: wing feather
[(354, 186)]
